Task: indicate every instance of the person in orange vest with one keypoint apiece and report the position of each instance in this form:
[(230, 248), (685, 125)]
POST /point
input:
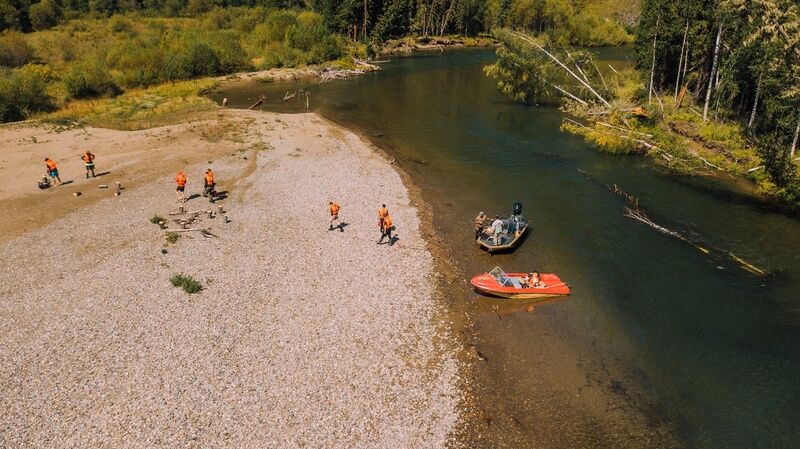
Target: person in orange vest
[(386, 229), (180, 180), (209, 184), (88, 162), (334, 209), (382, 213), (52, 170)]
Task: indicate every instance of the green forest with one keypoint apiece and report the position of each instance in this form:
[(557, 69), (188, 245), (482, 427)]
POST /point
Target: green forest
[(715, 88), (55, 51)]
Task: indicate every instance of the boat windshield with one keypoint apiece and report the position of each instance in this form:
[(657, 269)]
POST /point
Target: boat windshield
[(500, 276)]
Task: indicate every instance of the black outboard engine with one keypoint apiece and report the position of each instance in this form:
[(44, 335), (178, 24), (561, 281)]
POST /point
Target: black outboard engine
[(517, 209)]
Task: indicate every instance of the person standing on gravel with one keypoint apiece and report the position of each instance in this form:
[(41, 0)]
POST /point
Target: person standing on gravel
[(208, 185), (180, 180), (52, 170), (383, 212), (334, 210), (386, 229), (480, 224), (88, 162)]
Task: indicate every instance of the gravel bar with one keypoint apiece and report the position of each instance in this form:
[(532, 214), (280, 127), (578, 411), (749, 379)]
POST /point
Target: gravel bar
[(301, 337)]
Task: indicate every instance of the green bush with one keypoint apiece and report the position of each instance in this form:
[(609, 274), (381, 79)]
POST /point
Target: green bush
[(14, 49), (89, 79), (44, 15), (9, 16), (186, 282), (156, 219), (23, 92), (192, 59)]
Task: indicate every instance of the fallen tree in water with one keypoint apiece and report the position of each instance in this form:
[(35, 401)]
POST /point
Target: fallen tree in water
[(635, 212)]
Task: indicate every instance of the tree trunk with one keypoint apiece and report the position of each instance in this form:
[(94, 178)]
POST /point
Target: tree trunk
[(755, 103), (680, 61), (711, 76), (653, 67), (796, 135), (365, 20)]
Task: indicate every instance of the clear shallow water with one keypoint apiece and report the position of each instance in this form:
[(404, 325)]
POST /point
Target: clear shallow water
[(660, 344)]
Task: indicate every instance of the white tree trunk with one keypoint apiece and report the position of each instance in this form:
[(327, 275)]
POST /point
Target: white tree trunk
[(755, 103), (711, 76), (653, 67), (794, 141), (680, 61)]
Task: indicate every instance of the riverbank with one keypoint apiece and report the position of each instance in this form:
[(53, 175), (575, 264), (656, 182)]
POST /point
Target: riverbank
[(300, 336)]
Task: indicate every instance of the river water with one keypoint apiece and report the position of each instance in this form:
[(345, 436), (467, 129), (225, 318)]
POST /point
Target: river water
[(661, 344)]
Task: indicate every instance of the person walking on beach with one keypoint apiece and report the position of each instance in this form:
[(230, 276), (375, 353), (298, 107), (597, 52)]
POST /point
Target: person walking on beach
[(386, 229), (88, 162), (383, 212), (52, 170), (208, 185), (180, 180), (334, 210), (480, 224)]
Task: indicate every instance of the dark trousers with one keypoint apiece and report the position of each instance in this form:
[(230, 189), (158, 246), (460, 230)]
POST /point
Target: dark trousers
[(386, 233)]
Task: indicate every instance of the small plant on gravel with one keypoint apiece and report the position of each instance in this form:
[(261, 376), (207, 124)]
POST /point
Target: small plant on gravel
[(186, 282), (156, 219), (172, 237)]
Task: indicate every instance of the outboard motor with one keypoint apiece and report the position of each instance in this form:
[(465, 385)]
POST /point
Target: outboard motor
[(517, 209)]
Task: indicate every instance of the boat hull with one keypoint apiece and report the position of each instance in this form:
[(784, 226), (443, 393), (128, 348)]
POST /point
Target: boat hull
[(486, 284), (486, 242)]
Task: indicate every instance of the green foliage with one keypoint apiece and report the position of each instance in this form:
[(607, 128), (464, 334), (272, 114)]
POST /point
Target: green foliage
[(156, 219), (44, 14), (14, 49), (23, 92), (89, 79), (172, 237), (186, 282)]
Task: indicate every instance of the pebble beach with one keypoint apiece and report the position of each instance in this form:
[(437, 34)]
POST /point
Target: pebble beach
[(300, 337)]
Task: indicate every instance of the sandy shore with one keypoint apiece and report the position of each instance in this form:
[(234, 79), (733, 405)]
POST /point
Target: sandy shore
[(302, 337)]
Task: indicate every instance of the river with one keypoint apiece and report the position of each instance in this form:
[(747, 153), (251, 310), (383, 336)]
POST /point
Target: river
[(660, 344)]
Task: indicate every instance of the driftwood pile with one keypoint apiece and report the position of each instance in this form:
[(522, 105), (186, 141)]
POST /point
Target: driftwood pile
[(183, 220)]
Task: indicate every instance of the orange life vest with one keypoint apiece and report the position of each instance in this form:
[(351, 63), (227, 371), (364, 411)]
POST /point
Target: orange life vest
[(383, 212), (51, 164), (88, 157), (209, 178), (180, 179), (334, 209), (387, 222)]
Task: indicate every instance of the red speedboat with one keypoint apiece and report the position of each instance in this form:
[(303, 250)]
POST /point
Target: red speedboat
[(509, 285)]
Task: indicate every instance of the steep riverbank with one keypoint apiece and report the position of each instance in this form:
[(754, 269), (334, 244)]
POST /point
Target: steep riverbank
[(301, 336)]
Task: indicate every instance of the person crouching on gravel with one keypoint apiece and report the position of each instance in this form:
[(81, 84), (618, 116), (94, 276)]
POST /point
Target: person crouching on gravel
[(180, 180), (208, 185), (386, 229), (88, 162), (52, 170), (334, 210)]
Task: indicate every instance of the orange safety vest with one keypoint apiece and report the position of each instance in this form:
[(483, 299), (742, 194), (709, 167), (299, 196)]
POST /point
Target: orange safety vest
[(209, 178), (335, 209), (88, 157), (51, 164), (387, 222), (180, 179), (383, 212)]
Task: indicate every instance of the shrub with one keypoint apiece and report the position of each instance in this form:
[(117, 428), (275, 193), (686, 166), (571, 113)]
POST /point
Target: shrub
[(9, 16), (23, 91), (44, 15), (14, 49), (192, 59), (89, 79), (156, 219), (186, 282), (120, 24), (172, 237)]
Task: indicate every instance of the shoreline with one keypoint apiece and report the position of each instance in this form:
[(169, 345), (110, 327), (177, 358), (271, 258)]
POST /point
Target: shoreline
[(430, 383)]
